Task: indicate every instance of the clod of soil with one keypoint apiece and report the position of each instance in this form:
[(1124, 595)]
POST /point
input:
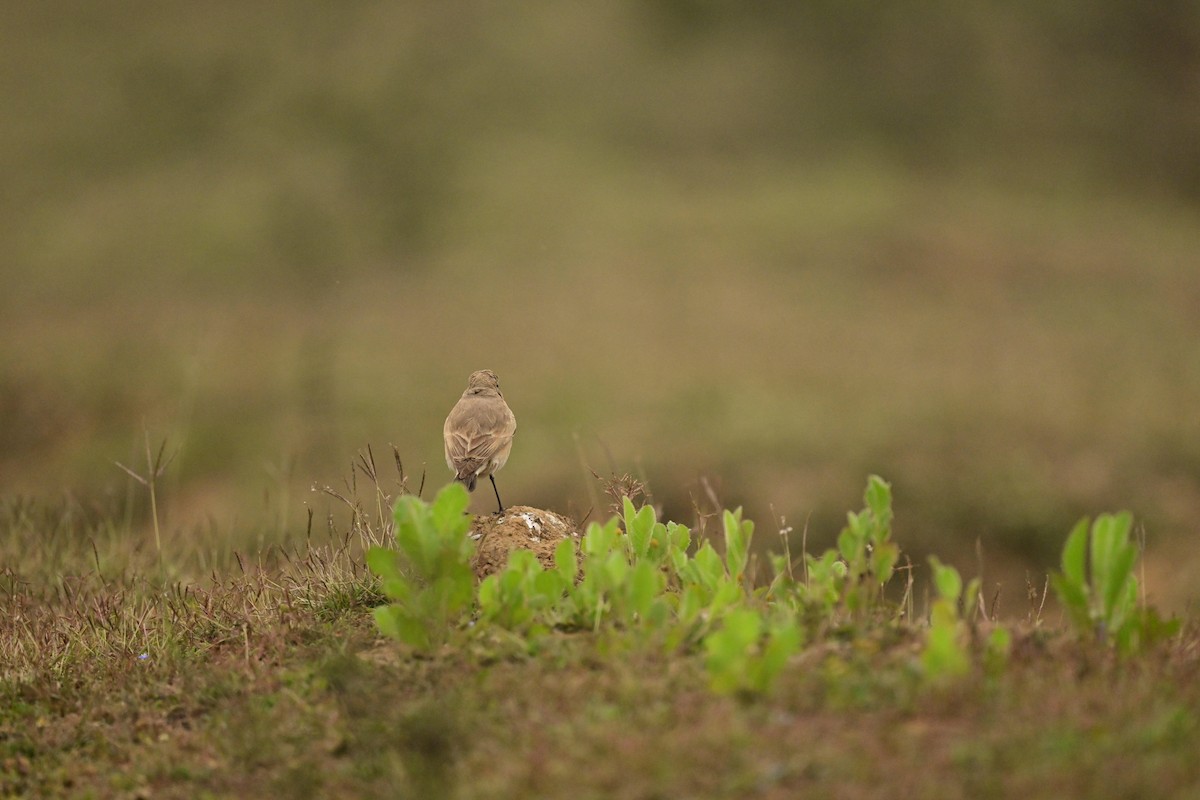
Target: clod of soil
[(518, 528)]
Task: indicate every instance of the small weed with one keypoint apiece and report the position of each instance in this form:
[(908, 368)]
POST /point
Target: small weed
[(428, 576), (1099, 590)]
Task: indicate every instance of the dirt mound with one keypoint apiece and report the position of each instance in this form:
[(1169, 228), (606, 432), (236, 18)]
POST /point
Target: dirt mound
[(518, 528)]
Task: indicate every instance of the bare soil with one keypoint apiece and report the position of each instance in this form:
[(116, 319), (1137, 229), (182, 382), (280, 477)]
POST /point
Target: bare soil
[(518, 528)]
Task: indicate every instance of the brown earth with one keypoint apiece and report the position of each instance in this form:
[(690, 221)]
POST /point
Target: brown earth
[(518, 528)]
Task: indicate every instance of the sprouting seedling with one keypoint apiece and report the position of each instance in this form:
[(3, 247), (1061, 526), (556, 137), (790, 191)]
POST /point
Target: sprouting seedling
[(155, 467), (1098, 588)]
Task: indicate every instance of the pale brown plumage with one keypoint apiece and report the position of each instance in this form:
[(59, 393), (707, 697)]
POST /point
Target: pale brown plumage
[(478, 433)]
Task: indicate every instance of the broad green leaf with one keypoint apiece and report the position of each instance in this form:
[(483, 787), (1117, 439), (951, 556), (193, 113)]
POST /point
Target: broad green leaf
[(414, 632), (457, 585), (489, 594), (709, 566), (690, 604), (878, 498), (737, 542), (398, 625), (398, 589), (412, 523), (739, 631), (680, 563), (1118, 597), (522, 561), (727, 594), (944, 655), (565, 561), (660, 543), (385, 620), (599, 540), (946, 580), (1072, 596), (382, 561), (997, 649), (851, 541), (1125, 606), (639, 526), (1112, 557), (615, 568), (680, 536), (643, 586), (1074, 555), (548, 587), (883, 561), (657, 616), (783, 640), (628, 513), (970, 598), (449, 510)]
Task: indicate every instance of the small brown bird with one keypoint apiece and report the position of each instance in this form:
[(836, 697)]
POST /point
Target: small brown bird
[(479, 431)]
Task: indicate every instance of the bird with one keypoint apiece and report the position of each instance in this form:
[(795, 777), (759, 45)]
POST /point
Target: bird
[(478, 433)]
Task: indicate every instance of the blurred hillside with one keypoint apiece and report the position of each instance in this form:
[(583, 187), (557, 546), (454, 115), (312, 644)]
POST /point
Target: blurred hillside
[(777, 245)]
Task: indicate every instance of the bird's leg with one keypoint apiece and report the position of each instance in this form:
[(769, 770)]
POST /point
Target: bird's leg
[(492, 478)]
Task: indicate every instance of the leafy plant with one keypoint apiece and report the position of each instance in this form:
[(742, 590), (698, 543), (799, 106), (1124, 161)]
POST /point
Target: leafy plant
[(428, 576), (945, 654), (647, 581), (749, 650), (515, 597), (866, 548), (1098, 588)]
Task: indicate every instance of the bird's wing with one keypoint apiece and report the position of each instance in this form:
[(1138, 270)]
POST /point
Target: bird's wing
[(477, 429)]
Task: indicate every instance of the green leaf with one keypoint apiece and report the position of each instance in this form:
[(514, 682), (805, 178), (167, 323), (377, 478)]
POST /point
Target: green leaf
[(548, 587), (680, 537), (639, 526), (1120, 592), (680, 564), (489, 594), (1124, 607), (709, 566), (878, 498), (398, 625), (1073, 599), (614, 568), (599, 540), (643, 587), (727, 594), (883, 561), (1113, 557), (946, 580), (783, 640), (660, 544), (850, 541), (449, 510), (997, 649), (737, 542), (382, 561), (385, 620), (1074, 555), (726, 649), (565, 561), (944, 655), (690, 604), (412, 539), (970, 598)]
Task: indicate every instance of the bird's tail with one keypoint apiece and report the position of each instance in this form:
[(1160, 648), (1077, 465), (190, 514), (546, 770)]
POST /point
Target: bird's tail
[(468, 473)]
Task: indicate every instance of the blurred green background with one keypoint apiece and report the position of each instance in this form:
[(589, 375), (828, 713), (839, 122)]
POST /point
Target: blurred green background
[(772, 245)]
